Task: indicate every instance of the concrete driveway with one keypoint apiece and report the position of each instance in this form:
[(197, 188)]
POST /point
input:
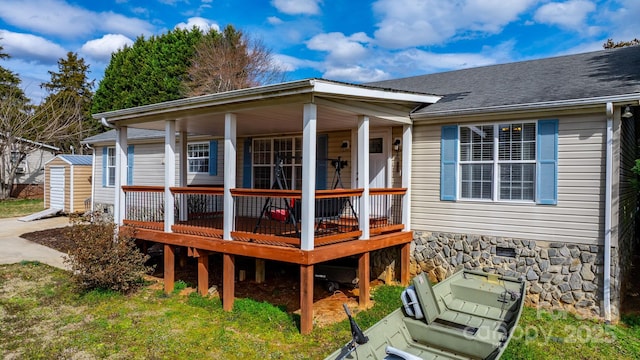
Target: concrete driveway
[(14, 249)]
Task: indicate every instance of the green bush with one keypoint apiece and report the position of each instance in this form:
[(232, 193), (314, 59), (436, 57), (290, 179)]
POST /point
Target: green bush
[(101, 258)]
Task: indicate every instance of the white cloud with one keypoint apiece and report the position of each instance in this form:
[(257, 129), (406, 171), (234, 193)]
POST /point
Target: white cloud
[(342, 49), (34, 48), (420, 61), (59, 18), (571, 14), (289, 63), (623, 21), (407, 23), (355, 74), (101, 49), (201, 23), (295, 7), (274, 20)]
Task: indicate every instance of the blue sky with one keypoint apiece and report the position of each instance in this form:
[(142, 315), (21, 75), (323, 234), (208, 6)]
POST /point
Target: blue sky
[(347, 40)]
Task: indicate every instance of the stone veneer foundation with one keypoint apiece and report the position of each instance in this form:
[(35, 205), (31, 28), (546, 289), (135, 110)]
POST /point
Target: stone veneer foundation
[(561, 276)]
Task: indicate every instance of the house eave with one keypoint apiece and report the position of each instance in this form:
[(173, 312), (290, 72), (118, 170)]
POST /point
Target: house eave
[(583, 104), (308, 88)]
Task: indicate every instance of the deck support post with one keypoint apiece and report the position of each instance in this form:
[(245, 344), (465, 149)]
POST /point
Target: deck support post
[(228, 275), (230, 132), (306, 299), (407, 144), (182, 177), (169, 268), (363, 178), (363, 284), (405, 254), (260, 271), (307, 232), (203, 272), (121, 158), (169, 173)]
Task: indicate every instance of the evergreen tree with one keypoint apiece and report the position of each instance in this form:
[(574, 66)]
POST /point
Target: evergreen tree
[(149, 71), (70, 91)]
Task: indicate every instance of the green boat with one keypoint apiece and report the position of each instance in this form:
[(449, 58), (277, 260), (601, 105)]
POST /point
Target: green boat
[(470, 315)]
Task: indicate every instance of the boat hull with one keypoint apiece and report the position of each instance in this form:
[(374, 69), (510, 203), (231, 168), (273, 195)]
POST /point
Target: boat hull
[(470, 315)]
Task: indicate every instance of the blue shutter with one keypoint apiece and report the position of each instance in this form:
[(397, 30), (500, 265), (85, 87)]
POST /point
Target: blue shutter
[(213, 157), (322, 153), (105, 155), (448, 163), (547, 165), (130, 165), (246, 164)]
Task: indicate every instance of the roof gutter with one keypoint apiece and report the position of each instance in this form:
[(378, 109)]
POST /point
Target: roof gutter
[(106, 123), (594, 102)]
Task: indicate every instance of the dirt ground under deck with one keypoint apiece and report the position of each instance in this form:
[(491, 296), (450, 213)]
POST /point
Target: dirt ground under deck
[(280, 288)]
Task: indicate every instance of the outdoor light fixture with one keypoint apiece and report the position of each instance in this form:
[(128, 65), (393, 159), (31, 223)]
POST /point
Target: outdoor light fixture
[(627, 113), (345, 145), (396, 144)]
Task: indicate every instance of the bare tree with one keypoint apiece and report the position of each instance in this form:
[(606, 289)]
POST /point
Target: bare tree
[(23, 130), (229, 61)]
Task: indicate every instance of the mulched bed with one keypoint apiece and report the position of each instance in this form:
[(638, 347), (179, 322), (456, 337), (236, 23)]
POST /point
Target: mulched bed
[(53, 238)]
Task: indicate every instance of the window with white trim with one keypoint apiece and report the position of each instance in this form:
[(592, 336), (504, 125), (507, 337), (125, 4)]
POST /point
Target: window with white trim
[(111, 166), (198, 157), (498, 162), (265, 154), (19, 159)]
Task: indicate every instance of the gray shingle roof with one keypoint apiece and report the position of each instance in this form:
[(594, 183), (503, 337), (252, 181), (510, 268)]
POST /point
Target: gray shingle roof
[(132, 134), (587, 75), (77, 159)]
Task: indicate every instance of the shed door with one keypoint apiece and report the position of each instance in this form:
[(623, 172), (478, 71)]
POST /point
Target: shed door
[(56, 188)]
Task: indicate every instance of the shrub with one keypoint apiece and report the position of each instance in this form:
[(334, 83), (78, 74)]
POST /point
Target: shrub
[(101, 258)]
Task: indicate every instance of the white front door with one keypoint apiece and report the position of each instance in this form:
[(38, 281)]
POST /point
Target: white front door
[(56, 188), (379, 177)]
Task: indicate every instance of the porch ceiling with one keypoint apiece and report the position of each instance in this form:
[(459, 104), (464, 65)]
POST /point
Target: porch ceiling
[(276, 109)]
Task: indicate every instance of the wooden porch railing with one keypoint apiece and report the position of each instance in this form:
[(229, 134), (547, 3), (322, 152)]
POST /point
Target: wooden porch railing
[(277, 216), (198, 211), (144, 206), (263, 215), (386, 210)]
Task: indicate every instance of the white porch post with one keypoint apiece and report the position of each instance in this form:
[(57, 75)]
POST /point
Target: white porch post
[(169, 172), (308, 176), (363, 174), (182, 164), (407, 144), (121, 175), (230, 125)]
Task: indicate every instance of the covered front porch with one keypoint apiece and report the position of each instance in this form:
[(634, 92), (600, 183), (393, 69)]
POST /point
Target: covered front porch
[(276, 204)]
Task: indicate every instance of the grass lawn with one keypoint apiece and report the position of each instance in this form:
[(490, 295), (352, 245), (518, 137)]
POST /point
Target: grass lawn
[(42, 317), (20, 207)]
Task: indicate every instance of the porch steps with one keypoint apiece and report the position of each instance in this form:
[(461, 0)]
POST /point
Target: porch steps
[(41, 214)]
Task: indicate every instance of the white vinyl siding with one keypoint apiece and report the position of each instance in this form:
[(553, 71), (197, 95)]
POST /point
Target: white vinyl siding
[(148, 169), (577, 217)]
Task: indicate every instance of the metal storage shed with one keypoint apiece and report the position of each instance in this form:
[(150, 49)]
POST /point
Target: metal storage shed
[(68, 183)]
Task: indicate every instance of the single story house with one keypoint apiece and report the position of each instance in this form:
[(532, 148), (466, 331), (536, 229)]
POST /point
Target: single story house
[(521, 169), (29, 158)]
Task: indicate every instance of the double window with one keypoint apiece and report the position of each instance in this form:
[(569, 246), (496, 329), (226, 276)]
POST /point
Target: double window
[(286, 151), (198, 157), (497, 162), (510, 161)]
